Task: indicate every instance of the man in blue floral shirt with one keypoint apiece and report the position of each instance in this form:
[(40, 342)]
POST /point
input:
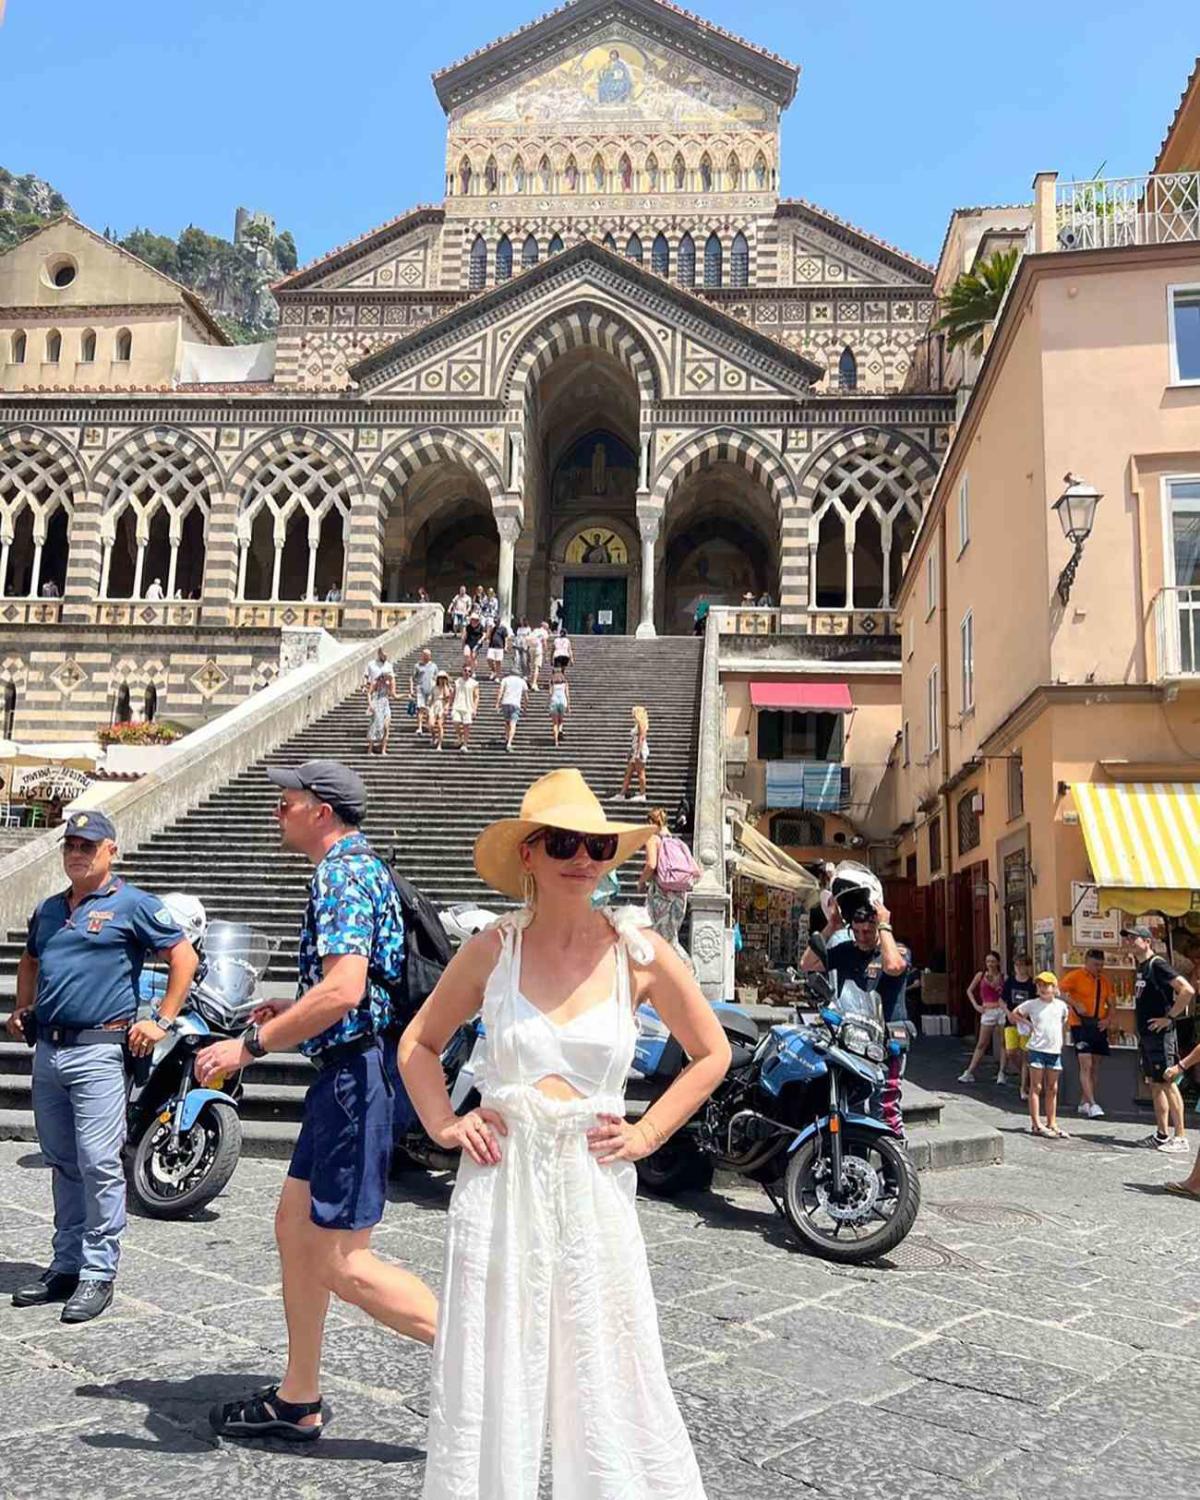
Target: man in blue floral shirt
[(334, 1195)]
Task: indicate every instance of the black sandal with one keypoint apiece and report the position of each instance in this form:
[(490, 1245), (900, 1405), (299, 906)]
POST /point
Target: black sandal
[(266, 1414)]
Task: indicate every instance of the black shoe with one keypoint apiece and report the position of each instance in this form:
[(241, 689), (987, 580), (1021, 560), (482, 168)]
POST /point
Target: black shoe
[(88, 1302), (51, 1286)]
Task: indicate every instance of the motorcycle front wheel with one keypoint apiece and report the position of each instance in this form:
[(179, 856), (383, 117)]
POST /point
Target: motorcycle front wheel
[(167, 1184), (880, 1198)]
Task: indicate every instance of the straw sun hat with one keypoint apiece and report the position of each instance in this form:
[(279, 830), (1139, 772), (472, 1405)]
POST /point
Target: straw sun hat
[(560, 799)]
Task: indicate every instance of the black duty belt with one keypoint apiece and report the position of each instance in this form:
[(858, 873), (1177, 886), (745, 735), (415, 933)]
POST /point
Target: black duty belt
[(344, 1052), (82, 1036)]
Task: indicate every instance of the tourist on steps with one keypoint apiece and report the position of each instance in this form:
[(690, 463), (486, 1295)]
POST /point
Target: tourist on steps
[(511, 698), (497, 641), (421, 687), (639, 753), (560, 704), (379, 683), (472, 637), (352, 945), (539, 644), (667, 909), (460, 609), (465, 704), (547, 1311), (563, 653), (443, 696)]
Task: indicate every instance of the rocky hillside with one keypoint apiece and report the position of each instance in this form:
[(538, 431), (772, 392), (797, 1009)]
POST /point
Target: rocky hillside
[(234, 279)]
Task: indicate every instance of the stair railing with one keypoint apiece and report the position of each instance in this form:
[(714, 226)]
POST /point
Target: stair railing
[(710, 897)]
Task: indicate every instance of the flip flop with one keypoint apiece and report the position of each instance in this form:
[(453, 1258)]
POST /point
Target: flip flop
[(1178, 1190)]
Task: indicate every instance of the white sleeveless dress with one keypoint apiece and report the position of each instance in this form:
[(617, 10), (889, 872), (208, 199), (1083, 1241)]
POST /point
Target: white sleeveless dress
[(547, 1313)]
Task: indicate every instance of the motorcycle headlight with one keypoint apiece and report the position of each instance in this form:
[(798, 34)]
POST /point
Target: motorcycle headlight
[(876, 1052), (855, 1039)]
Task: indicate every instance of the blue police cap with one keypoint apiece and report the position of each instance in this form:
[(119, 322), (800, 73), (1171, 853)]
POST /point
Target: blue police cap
[(93, 826)]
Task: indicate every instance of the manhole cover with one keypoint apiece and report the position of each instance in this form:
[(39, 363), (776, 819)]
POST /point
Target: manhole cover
[(919, 1253), (986, 1215)]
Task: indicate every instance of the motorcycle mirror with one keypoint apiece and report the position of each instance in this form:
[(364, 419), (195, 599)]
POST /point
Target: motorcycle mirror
[(819, 987)]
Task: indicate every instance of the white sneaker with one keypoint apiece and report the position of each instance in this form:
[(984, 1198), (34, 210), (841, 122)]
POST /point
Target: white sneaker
[(967, 1077), (1000, 1080), (1176, 1145), (1092, 1111), (641, 797)]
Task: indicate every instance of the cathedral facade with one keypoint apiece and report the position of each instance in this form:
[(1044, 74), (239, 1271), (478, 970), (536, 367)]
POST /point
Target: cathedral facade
[(613, 365)]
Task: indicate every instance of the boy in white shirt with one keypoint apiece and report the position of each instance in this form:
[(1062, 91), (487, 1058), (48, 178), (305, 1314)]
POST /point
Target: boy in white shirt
[(510, 700), (1047, 1016)]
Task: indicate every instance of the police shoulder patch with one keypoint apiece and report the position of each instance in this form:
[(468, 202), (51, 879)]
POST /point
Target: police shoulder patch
[(164, 916)]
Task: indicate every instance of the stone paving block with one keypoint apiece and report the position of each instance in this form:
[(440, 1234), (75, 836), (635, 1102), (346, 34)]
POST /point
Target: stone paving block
[(898, 1302), (376, 1357), (727, 1476), (836, 1474), (171, 1286), (795, 1272), (686, 1324), (821, 1369), (820, 1328), (1064, 1347), (921, 1445), (672, 1282), (983, 1369), (34, 1469), (1002, 1423), (735, 1302), (37, 1399), (115, 1346), (1143, 1333)]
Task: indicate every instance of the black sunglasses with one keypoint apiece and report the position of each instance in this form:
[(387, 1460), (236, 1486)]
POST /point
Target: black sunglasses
[(563, 843)]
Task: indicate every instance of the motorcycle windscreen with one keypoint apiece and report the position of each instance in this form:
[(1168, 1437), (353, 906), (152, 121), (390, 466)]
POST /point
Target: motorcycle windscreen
[(853, 1000)]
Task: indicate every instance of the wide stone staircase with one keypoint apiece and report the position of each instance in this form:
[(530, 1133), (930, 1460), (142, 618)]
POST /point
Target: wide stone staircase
[(425, 810)]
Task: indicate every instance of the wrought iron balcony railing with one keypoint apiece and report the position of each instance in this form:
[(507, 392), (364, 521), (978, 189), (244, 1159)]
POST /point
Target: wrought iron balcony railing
[(1108, 212), (1177, 632)]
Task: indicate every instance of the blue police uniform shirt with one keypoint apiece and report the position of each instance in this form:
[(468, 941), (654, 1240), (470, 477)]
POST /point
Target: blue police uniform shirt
[(845, 959), (90, 959), (352, 908)]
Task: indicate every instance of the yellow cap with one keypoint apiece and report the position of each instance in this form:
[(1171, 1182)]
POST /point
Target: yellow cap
[(1046, 977)]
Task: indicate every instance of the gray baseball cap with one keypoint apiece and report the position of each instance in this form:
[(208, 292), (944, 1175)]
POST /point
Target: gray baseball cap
[(329, 780)]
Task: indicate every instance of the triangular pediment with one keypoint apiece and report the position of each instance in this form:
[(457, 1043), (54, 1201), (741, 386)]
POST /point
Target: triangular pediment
[(680, 54), (818, 249), (400, 255), (682, 346)]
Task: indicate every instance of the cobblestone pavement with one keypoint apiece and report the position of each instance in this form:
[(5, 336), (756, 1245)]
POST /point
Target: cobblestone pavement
[(1039, 1333)]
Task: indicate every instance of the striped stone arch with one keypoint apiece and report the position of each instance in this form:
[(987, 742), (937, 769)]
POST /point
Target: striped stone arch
[(397, 464), (48, 451), (903, 448), (42, 479), (146, 440), (275, 448), (725, 445), (581, 325)]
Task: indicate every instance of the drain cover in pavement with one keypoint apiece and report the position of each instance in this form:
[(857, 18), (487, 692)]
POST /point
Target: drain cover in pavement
[(919, 1253), (986, 1215)]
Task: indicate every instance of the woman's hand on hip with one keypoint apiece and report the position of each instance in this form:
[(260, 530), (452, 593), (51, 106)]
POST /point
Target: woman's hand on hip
[(475, 1133), (615, 1139)]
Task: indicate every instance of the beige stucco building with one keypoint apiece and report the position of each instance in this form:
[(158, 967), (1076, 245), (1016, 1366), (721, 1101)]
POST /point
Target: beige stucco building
[(1032, 665)]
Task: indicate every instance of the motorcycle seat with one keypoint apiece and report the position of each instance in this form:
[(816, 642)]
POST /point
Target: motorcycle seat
[(739, 1028)]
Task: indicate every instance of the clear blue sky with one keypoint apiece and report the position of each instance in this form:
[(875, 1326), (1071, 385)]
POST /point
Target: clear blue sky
[(168, 112)]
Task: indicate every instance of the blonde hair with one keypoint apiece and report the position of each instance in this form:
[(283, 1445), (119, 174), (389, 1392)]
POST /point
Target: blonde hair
[(642, 719), (658, 817)]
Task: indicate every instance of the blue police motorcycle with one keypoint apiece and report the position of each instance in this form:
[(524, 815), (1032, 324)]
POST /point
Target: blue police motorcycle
[(183, 1141), (792, 1115)]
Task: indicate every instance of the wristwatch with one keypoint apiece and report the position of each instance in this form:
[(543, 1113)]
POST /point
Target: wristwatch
[(884, 927), (251, 1042)]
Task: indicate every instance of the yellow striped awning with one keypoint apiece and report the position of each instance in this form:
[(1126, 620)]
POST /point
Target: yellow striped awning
[(1143, 841)]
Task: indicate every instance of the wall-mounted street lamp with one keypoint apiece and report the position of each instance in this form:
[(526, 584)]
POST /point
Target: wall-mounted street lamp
[(1076, 509)]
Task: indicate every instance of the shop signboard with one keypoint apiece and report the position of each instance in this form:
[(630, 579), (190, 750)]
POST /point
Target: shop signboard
[(1091, 927), (49, 783)]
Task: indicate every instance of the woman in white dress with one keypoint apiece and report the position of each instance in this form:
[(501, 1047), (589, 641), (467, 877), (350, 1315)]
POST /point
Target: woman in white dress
[(547, 1314)]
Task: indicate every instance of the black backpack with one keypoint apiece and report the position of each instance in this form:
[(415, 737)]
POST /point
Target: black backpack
[(427, 951)]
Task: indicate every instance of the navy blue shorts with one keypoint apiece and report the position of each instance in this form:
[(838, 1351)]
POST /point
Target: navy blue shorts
[(345, 1144)]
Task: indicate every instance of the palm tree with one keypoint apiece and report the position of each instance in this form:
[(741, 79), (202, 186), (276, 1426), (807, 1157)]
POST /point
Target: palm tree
[(974, 300)]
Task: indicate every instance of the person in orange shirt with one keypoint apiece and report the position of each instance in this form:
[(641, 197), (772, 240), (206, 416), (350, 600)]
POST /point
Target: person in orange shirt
[(1089, 993)]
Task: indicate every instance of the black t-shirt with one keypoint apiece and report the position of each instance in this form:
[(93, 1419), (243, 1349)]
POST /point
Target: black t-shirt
[(1152, 992), (845, 960), (473, 634), (1016, 991), (498, 637)]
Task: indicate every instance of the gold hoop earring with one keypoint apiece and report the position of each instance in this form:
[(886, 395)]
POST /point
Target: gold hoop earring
[(528, 889)]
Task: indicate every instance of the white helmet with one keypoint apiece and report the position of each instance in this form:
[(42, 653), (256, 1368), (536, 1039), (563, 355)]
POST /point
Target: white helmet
[(189, 912)]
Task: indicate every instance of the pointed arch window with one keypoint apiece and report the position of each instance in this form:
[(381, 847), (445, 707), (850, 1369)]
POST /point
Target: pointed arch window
[(123, 349), (477, 278), (504, 259), (687, 261), (739, 261), (609, 243), (35, 513), (293, 527), (652, 172), (571, 174), (760, 171), (626, 172), (518, 176), (19, 343), (678, 172), (712, 260), (491, 175), (154, 527), (633, 250), (864, 518), (464, 175), (660, 255), (53, 346), (555, 246), (546, 173), (598, 172), (529, 252), (847, 371), (706, 174), (733, 173), (87, 346)]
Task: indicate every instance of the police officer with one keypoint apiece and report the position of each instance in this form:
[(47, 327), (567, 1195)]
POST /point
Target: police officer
[(77, 986), (351, 946)]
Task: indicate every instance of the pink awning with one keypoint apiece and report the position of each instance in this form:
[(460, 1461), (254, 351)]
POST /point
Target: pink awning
[(803, 697)]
